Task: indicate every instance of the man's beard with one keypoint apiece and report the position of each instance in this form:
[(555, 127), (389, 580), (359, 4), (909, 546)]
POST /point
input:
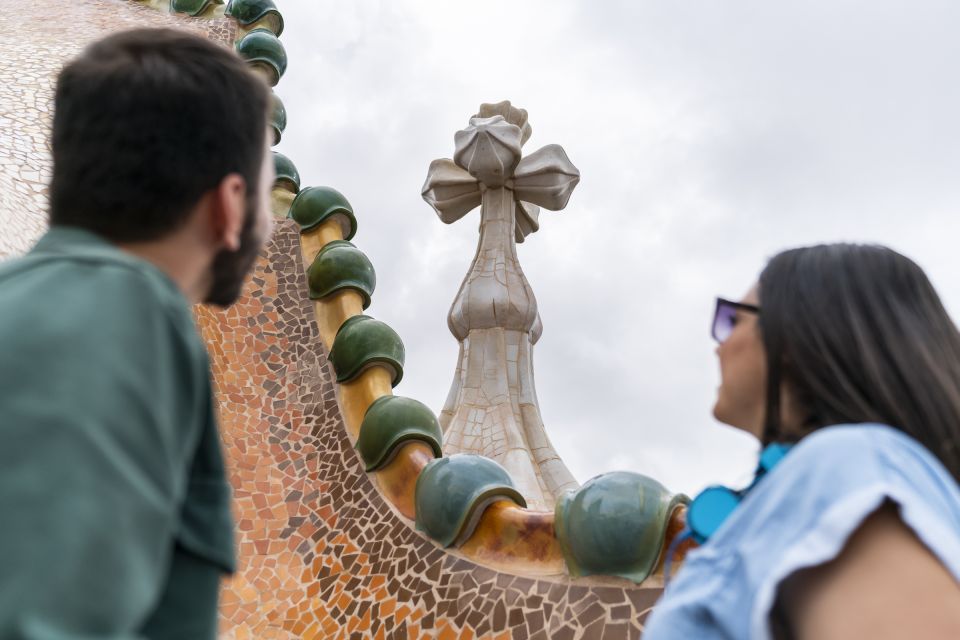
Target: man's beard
[(230, 268)]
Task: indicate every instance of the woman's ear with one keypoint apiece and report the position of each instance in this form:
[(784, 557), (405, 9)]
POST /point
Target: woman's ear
[(795, 414)]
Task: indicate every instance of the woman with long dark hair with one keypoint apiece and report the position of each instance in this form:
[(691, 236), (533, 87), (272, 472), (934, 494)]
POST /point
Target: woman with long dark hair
[(843, 362)]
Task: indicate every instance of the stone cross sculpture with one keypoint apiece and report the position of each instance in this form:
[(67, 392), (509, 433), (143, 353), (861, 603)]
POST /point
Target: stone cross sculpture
[(492, 407)]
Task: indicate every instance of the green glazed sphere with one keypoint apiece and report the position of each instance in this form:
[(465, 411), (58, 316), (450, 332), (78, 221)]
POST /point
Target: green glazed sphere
[(340, 265), (391, 422), (287, 175), (362, 342), (247, 12), (261, 46), (313, 205), (615, 524), (278, 118), (452, 492), (189, 7)]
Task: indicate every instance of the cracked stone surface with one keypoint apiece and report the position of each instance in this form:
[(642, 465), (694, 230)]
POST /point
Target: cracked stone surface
[(492, 408)]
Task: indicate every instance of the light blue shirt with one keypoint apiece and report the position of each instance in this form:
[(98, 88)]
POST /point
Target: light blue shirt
[(801, 515)]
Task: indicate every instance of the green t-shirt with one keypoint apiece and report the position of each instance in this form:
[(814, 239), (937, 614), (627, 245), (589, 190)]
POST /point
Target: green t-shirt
[(114, 507)]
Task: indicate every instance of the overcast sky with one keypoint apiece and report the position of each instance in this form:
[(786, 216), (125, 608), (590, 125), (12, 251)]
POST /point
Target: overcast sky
[(709, 136)]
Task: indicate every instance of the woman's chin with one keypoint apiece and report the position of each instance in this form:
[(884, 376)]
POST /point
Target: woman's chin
[(718, 412), (722, 415)]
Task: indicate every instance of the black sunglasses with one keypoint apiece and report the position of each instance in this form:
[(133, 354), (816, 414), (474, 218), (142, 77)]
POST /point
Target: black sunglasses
[(725, 317)]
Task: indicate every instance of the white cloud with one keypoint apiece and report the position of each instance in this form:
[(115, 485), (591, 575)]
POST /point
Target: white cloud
[(709, 136)]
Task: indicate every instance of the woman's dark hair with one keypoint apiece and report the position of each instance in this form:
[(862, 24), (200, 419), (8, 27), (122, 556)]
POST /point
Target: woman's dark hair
[(145, 122), (858, 334)]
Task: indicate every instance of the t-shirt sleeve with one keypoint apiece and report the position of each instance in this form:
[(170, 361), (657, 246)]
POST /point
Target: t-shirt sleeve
[(100, 400), (801, 515), (834, 481)]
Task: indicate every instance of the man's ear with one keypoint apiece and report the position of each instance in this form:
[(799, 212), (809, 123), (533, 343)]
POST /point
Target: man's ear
[(228, 210)]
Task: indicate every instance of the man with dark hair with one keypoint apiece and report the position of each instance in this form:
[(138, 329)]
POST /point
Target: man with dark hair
[(115, 507)]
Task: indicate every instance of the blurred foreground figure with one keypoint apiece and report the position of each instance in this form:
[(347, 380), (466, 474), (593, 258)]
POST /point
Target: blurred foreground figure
[(116, 512), (843, 363)]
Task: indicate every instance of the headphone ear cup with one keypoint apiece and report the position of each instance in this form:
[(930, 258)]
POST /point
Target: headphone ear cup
[(771, 456), (709, 510), (714, 505)]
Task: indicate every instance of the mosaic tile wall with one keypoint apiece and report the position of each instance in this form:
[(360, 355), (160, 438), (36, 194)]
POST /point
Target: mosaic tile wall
[(322, 555), (39, 36)]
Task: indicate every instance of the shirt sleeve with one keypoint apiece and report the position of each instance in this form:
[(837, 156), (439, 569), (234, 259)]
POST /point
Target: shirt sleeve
[(835, 480), (801, 515), (100, 395)]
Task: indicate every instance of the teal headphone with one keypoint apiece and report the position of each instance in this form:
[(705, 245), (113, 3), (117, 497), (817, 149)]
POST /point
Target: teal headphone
[(714, 504)]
